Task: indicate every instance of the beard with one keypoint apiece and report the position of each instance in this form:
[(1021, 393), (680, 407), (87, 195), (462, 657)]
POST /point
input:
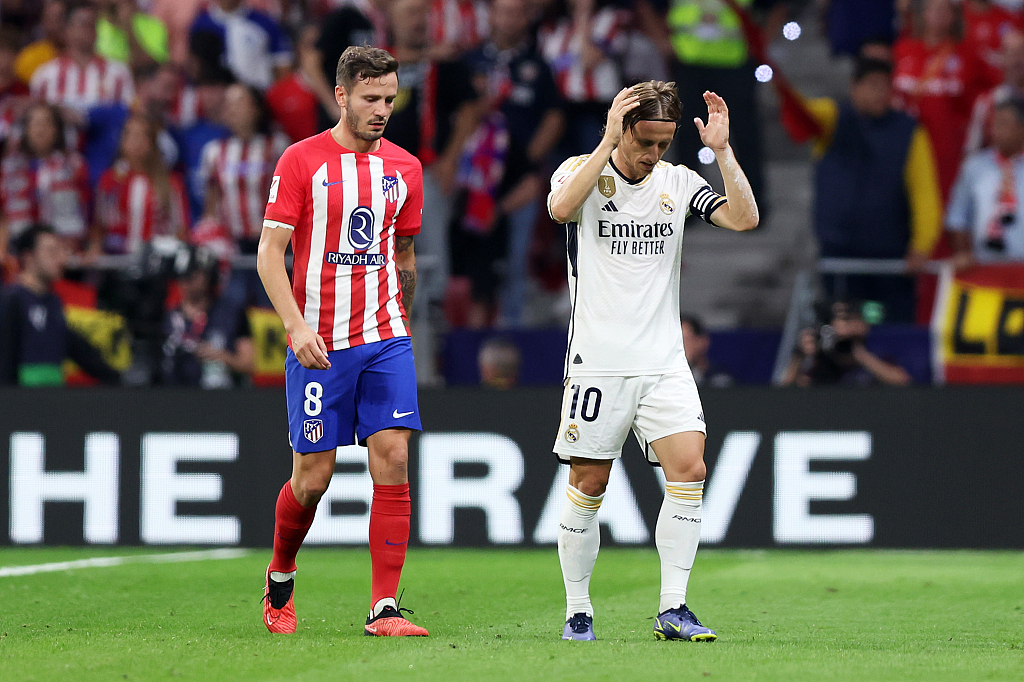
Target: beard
[(352, 122)]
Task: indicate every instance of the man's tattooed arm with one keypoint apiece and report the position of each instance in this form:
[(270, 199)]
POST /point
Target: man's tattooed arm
[(405, 259)]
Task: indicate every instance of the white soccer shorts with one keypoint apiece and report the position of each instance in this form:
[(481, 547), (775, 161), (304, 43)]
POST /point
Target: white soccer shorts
[(598, 412)]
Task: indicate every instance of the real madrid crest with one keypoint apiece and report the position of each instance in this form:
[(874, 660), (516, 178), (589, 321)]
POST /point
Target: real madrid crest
[(668, 207), (606, 185), (572, 434)]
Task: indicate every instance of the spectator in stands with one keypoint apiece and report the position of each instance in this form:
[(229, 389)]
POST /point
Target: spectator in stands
[(498, 360), (706, 43), (295, 99), (128, 35), (850, 23), (978, 132), (876, 193), (435, 113), (138, 198), (523, 125), (210, 84), (985, 24), (13, 93), (696, 344), (177, 16), (41, 180), (49, 44), (255, 48), (236, 174), (34, 335), (455, 27), (838, 355), (984, 213), (206, 343), (157, 87), (584, 45), (351, 23), (936, 79), (79, 78)]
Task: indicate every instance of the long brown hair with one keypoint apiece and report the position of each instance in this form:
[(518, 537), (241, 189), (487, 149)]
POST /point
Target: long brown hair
[(153, 165)]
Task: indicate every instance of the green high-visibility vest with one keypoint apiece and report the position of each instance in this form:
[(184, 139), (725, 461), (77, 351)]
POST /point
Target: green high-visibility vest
[(707, 33)]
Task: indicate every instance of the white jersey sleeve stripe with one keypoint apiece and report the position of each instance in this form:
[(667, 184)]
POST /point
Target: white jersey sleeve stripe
[(343, 294), (317, 243), (371, 287), (397, 326), (275, 223)]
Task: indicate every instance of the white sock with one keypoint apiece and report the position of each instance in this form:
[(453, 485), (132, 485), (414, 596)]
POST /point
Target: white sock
[(677, 535), (381, 603), (279, 577), (579, 540)]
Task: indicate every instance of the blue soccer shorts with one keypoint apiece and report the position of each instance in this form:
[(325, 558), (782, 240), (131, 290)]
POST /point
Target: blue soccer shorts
[(368, 388)]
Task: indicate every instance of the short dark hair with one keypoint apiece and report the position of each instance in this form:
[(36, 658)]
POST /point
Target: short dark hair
[(695, 323), (76, 5), (26, 242), (865, 66), (1013, 104), (659, 101), (361, 62)]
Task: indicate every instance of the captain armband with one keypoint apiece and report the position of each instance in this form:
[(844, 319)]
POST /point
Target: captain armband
[(705, 202)]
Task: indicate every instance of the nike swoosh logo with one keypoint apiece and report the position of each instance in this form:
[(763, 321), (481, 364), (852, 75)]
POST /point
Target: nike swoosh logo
[(336, 182), (372, 630), (269, 624), (388, 542), (398, 415)]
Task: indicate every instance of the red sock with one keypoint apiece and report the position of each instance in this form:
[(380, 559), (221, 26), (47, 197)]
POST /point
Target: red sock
[(291, 522), (389, 538)]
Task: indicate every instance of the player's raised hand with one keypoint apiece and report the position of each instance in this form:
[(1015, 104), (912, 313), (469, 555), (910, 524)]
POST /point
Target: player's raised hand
[(623, 103), (715, 134), (310, 349)]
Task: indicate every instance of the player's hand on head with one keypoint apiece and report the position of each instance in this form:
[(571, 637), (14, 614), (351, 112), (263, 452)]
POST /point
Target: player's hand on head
[(715, 133), (623, 103), (310, 349)]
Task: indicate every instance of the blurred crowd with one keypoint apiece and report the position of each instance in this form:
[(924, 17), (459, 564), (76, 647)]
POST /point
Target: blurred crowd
[(140, 136)]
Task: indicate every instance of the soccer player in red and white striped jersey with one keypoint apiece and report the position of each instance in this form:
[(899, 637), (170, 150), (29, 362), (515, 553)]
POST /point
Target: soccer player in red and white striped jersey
[(79, 78), (349, 202)]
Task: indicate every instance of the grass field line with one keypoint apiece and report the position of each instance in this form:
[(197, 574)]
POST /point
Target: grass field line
[(102, 562)]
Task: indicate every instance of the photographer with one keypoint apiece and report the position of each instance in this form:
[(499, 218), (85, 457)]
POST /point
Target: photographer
[(983, 210), (836, 354)]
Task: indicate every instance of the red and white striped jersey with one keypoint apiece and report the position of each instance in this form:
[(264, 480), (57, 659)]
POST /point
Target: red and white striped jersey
[(130, 211), (241, 170), (346, 208), (562, 49), (63, 81), (463, 22), (52, 190)]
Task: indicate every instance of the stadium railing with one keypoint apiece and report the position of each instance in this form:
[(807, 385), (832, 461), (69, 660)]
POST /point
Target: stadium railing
[(805, 292)]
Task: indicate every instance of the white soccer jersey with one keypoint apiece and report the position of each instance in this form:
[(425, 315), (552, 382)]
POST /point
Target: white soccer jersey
[(625, 250)]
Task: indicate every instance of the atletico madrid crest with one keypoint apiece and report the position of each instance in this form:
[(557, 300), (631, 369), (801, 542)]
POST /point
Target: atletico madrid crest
[(313, 429), (390, 186)]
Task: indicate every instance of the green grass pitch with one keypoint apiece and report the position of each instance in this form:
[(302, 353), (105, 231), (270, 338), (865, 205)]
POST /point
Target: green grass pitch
[(497, 615)]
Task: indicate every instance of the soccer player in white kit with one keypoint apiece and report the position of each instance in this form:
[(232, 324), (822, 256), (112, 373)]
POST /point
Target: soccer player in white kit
[(625, 368)]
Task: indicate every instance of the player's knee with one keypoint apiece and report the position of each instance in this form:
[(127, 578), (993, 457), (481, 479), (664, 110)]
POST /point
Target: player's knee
[(593, 485), (393, 459), (310, 488), (695, 470)]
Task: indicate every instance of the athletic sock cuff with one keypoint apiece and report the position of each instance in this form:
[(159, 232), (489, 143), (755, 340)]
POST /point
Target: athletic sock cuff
[(585, 505), (392, 500), (293, 508), (690, 493)]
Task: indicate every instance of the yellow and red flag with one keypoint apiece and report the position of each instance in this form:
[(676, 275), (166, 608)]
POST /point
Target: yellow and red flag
[(978, 326)]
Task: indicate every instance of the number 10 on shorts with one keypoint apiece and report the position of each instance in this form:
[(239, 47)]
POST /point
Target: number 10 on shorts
[(591, 403)]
